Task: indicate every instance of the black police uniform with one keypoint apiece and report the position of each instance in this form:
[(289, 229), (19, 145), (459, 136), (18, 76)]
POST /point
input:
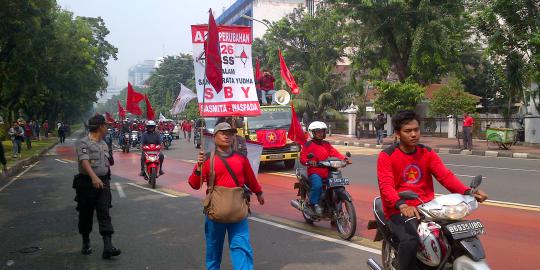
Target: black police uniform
[(89, 198)]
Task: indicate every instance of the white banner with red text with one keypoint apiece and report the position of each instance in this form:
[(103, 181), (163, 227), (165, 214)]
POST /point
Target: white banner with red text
[(238, 96)]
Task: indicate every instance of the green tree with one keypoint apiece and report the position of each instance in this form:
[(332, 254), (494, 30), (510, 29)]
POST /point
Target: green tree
[(51, 64), (452, 99), (311, 46), (164, 83), (512, 31), (419, 39), (395, 96)]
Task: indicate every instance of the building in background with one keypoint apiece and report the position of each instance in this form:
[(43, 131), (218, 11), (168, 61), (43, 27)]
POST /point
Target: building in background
[(138, 74), (262, 10)]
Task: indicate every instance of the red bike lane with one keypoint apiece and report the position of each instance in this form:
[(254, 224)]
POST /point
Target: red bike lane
[(511, 240)]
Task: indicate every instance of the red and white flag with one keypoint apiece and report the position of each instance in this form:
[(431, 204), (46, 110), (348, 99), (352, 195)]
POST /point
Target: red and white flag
[(184, 97)]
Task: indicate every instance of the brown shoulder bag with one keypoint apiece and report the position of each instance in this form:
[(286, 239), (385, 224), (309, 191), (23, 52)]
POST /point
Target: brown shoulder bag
[(223, 204)]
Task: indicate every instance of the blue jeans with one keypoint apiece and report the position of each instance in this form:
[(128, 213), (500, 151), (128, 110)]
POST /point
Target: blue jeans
[(316, 188), (239, 246), (267, 92), (380, 136)]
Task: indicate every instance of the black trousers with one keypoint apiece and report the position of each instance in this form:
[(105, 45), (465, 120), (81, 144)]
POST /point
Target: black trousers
[(90, 199), (405, 229)]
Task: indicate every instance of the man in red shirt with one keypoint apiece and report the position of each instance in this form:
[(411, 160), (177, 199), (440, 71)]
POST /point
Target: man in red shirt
[(468, 123), (188, 128), (321, 150), (239, 245), (409, 165), (267, 87)]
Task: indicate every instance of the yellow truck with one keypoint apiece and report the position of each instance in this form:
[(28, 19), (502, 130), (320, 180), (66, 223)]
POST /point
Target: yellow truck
[(270, 129)]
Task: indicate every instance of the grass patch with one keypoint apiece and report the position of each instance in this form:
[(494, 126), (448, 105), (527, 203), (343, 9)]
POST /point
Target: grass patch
[(37, 147)]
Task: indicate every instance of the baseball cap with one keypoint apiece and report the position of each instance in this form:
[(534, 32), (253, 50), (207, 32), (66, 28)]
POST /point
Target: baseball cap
[(223, 126)]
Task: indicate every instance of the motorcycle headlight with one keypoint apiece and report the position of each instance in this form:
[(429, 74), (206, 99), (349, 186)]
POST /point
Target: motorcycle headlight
[(453, 212), (336, 163), (153, 158)]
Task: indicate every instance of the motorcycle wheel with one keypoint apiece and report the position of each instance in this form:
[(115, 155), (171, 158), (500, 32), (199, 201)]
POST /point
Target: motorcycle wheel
[(153, 176), (127, 149), (389, 256), (166, 146), (346, 221)]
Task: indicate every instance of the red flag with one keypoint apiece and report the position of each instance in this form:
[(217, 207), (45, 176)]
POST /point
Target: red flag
[(287, 76), (121, 111), (257, 71), (132, 101), (213, 69), (109, 118), (272, 138), (296, 133), (150, 115)]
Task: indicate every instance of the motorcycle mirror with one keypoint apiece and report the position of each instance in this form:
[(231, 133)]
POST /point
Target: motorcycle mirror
[(348, 154), (310, 155), (475, 183), (408, 195)]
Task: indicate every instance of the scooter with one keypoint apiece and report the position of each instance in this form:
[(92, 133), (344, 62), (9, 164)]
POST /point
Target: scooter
[(134, 138), (151, 163), (167, 139), (336, 201), (446, 240)]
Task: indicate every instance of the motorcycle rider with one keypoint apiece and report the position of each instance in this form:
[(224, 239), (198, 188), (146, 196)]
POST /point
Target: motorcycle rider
[(408, 165), (151, 137), (321, 150)]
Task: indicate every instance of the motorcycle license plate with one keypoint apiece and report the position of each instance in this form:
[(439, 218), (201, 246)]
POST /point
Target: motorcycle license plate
[(337, 182), (465, 229)]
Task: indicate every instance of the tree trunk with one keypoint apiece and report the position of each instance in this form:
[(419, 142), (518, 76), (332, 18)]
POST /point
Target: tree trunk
[(508, 112), (457, 131)]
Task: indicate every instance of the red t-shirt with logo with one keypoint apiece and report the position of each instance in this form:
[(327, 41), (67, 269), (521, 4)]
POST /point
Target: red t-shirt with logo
[(398, 171), (321, 150)]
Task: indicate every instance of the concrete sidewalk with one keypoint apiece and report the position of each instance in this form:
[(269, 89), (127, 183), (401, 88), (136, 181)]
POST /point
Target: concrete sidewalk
[(447, 146)]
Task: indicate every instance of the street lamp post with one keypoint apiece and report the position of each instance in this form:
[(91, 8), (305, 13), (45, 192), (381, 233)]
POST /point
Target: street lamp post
[(253, 19)]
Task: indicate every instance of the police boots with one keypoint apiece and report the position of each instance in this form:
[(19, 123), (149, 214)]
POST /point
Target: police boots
[(108, 249), (86, 249)]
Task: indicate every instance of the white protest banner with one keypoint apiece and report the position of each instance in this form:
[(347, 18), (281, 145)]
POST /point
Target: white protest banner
[(238, 96)]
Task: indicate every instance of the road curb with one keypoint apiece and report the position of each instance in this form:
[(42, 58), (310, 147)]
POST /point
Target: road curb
[(22, 164), (487, 153)]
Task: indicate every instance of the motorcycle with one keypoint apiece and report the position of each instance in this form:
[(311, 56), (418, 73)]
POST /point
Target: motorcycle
[(335, 200), (446, 240), (125, 142), (167, 139), (197, 138), (151, 163), (134, 138)]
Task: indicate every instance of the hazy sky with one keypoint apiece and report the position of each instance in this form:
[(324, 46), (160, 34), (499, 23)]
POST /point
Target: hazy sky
[(146, 29)]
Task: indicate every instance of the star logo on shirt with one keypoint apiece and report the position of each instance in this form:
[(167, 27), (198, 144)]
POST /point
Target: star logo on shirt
[(412, 174)]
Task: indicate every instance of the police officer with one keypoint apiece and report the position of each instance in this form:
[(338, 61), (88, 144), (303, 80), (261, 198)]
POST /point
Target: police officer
[(92, 186), (151, 137)]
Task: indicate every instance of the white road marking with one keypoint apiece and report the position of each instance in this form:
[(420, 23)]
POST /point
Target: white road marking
[(496, 168), (120, 190), (318, 236), (61, 161), (18, 176), (153, 190)]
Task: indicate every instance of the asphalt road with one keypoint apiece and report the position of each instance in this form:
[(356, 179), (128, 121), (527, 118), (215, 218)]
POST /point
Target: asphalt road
[(38, 228)]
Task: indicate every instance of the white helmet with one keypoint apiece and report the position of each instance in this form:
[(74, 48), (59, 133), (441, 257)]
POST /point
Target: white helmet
[(150, 123), (317, 125)]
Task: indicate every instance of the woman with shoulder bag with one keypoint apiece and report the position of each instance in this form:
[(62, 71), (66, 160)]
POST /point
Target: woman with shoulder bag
[(227, 174)]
